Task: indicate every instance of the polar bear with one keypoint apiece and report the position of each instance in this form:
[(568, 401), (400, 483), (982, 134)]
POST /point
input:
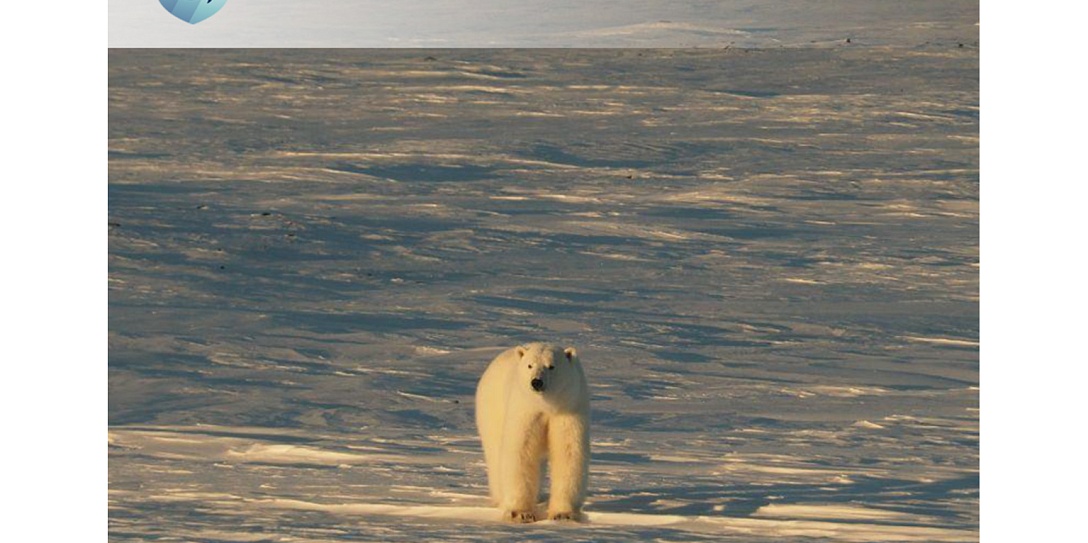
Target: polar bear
[(532, 405)]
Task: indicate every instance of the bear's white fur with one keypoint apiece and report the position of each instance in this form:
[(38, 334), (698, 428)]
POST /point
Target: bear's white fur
[(532, 405)]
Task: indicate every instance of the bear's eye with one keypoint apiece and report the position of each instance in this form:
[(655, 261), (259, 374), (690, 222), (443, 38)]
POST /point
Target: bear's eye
[(530, 366)]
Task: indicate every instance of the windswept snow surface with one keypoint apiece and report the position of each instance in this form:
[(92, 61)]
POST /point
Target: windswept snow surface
[(768, 260)]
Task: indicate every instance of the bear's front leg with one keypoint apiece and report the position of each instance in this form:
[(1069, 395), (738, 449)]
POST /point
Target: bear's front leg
[(568, 459), (522, 453)]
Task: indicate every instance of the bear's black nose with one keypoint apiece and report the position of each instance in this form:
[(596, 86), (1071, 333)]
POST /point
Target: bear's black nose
[(537, 384)]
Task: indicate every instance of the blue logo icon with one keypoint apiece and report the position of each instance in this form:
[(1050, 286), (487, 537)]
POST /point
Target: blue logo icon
[(192, 11)]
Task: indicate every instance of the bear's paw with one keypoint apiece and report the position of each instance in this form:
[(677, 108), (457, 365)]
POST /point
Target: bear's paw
[(564, 516), (523, 517)]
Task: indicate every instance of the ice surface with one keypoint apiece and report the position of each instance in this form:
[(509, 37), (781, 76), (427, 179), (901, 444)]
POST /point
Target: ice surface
[(767, 258)]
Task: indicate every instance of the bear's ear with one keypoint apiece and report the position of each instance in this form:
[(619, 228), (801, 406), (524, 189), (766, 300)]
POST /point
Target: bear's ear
[(571, 353), (521, 351)]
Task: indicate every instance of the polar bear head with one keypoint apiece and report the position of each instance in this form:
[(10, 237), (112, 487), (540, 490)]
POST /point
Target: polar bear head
[(549, 370)]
